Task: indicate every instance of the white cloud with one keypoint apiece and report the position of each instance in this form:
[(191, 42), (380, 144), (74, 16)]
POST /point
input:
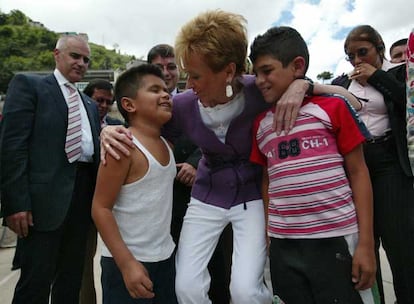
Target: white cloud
[(138, 25)]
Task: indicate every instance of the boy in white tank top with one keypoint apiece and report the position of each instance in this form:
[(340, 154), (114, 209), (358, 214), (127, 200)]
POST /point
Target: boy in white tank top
[(133, 197)]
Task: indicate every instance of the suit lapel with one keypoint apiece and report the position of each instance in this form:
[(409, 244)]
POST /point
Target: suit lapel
[(59, 99), (93, 117)]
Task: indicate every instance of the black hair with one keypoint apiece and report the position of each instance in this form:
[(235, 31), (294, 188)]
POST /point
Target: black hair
[(163, 50), (403, 41), (130, 81), (99, 84), (282, 43)]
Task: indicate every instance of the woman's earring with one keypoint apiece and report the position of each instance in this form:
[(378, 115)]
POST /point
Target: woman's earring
[(229, 91)]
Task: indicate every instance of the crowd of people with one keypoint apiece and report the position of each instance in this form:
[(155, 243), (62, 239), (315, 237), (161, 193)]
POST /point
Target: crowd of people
[(194, 190)]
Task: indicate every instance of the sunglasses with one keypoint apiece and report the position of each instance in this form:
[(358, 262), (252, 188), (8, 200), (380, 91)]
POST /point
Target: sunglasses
[(108, 102), (361, 52), (77, 56)]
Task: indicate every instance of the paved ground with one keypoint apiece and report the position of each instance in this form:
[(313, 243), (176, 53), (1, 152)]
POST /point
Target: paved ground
[(9, 278)]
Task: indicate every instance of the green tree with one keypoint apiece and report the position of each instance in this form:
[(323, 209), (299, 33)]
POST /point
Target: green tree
[(16, 17), (24, 47), (3, 18), (324, 76)]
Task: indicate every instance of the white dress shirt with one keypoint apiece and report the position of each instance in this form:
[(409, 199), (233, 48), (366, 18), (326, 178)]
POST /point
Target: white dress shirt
[(86, 141)]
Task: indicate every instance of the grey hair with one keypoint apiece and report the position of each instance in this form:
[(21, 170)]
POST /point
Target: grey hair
[(61, 44)]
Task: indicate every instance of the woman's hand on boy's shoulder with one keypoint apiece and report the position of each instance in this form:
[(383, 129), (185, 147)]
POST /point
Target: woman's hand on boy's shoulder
[(115, 140)]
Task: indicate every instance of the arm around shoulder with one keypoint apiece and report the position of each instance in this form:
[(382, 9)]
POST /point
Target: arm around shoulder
[(115, 140), (336, 89)]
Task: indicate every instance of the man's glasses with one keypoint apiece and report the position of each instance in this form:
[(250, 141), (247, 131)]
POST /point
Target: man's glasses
[(170, 67), (77, 56), (361, 52)]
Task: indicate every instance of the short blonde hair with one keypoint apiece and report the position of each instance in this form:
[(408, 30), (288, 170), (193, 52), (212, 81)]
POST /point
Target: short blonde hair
[(218, 36)]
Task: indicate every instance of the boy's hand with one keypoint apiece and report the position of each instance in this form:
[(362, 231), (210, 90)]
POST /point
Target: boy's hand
[(115, 137), (363, 267), (137, 280)]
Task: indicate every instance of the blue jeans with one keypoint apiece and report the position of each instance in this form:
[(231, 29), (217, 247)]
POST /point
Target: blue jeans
[(162, 275)]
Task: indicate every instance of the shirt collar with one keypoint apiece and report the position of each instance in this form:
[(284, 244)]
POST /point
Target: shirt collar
[(60, 78), (174, 92), (386, 65)]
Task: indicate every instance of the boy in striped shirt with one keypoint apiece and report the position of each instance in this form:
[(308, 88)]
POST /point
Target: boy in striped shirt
[(315, 184)]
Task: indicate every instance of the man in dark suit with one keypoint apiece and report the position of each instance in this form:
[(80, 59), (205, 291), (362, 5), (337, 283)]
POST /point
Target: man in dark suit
[(49, 165), (102, 92)]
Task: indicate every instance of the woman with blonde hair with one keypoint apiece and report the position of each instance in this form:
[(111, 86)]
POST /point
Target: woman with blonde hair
[(217, 113)]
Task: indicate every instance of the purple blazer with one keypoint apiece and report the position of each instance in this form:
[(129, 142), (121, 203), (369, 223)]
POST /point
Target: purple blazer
[(225, 177)]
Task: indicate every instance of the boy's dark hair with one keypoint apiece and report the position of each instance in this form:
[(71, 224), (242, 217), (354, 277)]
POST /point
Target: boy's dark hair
[(163, 50), (130, 81), (282, 43), (99, 84)]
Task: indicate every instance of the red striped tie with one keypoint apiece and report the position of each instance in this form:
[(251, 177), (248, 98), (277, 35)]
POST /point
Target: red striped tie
[(74, 132)]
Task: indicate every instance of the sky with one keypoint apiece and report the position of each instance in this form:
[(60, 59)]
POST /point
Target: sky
[(134, 26)]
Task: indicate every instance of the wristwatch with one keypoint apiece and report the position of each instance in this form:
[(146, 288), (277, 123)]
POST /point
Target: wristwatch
[(309, 91)]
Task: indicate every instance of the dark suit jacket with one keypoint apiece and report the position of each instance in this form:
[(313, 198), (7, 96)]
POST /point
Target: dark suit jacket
[(184, 152), (391, 85), (112, 121), (36, 174)]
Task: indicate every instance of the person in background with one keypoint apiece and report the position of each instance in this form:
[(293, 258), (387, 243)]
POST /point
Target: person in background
[(132, 204), (49, 158), (410, 98), (162, 55), (398, 51), (315, 184), (101, 91), (217, 113), (381, 87), (187, 156)]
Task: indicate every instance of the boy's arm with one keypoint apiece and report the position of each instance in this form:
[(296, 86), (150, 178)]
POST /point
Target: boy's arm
[(363, 262), (287, 107), (110, 179), (335, 89)]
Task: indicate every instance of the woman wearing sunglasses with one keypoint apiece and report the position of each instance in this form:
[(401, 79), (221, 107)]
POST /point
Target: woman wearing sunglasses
[(380, 86)]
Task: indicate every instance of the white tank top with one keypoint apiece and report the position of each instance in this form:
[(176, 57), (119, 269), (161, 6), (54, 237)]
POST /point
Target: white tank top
[(143, 211)]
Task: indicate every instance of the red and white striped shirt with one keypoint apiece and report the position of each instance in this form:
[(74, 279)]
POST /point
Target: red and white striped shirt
[(309, 193)]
